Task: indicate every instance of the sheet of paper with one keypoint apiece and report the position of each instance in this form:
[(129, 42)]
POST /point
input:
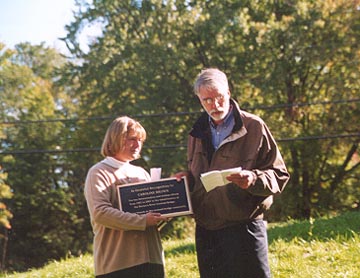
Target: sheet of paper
[(217, 178)]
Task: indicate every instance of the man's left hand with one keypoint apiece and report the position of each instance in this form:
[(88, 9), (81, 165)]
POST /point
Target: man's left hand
[(243, 179)]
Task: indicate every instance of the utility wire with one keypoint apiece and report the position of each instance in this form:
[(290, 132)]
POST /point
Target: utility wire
[(180, 146), (174, 114), (77, 150)]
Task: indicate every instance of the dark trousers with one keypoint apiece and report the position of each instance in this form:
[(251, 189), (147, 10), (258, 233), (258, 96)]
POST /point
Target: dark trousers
[(140, 271), (239, 251)]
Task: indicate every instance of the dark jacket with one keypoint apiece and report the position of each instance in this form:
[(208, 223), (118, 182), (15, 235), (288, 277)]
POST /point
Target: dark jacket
[(250, 146)]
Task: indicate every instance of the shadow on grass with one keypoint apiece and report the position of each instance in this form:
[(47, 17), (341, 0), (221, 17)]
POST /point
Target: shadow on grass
[(182, 249), (342, 226)]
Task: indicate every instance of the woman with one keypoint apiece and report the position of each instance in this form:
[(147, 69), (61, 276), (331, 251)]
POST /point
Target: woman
[(125, 244)]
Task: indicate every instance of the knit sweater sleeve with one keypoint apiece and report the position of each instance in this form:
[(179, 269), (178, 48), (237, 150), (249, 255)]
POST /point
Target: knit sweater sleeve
[(102, 202)]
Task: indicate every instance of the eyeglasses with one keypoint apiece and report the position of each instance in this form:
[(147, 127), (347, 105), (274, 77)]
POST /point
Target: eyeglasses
[(210, 100)]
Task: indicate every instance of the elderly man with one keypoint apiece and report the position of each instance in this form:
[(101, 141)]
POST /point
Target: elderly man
[(231, 238)]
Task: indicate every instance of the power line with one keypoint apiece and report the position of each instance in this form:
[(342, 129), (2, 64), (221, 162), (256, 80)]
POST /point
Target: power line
[(184, 146), (97, 118), (174, 114), (319, 137), (289, 105)]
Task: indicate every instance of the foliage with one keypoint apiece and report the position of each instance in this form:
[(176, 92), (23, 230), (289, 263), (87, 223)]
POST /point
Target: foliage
[(312, 59), (294, 63), (178, 227), (42, 205), (296, 57), (321, 254), (5, 216), (5, 193)]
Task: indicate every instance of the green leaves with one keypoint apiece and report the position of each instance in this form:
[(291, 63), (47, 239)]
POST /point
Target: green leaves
[(294, 63), (5, 193)]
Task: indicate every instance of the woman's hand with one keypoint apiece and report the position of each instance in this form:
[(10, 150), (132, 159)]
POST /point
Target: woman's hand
[(154, 218)]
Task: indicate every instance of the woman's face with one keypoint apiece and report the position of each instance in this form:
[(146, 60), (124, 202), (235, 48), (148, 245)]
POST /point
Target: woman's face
[(132, 148)]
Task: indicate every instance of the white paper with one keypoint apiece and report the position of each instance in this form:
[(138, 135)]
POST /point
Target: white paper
[(216, 178), (155, 174)]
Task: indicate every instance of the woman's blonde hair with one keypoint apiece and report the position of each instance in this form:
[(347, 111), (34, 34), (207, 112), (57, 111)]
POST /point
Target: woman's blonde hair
[(117, 132)]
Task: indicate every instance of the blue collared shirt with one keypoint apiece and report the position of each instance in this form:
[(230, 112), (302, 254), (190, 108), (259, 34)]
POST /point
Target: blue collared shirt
[(223, 130)]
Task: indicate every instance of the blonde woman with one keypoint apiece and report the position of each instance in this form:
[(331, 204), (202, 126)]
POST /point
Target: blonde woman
[(125, 244)]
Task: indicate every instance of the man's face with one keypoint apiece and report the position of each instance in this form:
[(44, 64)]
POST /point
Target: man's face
[(215, 103)]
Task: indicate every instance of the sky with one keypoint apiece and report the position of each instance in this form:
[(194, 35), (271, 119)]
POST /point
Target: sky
[(35, 21)]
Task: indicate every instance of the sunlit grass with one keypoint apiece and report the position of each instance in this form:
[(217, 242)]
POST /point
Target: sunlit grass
[(79, 267), (315, 259), (319, 248), (180, 258)]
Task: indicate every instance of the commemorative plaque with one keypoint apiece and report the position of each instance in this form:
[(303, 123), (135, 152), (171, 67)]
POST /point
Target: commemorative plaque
[(166, 196)]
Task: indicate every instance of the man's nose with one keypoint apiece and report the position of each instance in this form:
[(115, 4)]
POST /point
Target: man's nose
[(216, 103)]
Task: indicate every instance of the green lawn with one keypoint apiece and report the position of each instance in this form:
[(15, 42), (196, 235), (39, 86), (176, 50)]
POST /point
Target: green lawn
[(320, 248)]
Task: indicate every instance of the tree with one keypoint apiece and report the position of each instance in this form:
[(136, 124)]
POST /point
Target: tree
[(5, 216), (278, 53), (292, 62), (310, 48), (42, 205)]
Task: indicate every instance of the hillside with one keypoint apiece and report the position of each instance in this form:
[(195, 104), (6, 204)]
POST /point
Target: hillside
[(324, 248)]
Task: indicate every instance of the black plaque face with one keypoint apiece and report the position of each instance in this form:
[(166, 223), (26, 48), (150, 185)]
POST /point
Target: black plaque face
[(166, 196)]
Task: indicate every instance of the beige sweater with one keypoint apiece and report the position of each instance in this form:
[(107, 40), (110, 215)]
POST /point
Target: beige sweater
[(121, 240)]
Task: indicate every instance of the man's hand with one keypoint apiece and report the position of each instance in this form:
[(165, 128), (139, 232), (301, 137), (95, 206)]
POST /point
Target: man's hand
[(243, 179), (179, 175)]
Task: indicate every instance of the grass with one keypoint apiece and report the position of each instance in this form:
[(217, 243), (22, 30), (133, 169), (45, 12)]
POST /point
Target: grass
[(319, 248)]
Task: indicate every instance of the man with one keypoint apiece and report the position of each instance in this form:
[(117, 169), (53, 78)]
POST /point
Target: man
[(231, 237)]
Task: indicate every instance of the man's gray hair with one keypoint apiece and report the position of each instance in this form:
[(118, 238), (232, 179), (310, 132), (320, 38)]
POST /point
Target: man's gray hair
[(211, 78)]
